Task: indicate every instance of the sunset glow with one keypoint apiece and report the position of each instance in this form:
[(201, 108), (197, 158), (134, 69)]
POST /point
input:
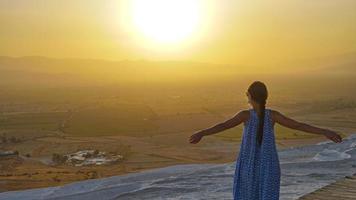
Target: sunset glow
[(165, 21), (99, 89), (269, 35)]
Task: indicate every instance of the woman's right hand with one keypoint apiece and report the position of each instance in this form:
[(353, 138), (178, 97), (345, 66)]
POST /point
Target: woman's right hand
[(195, 138), (332, 135)]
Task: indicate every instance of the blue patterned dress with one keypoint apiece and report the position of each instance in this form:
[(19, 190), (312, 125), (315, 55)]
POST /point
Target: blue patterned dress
[(257, 172)]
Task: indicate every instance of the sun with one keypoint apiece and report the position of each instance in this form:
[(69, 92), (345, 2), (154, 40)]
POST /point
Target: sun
[(166, 21)]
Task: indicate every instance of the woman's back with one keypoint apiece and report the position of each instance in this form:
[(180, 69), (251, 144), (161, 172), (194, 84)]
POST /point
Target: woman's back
[(257, 174)]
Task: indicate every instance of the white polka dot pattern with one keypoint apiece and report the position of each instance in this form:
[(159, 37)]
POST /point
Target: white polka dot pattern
[(257, 172)]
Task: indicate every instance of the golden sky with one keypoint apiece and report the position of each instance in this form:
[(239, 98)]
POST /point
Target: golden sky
[(217, 31)]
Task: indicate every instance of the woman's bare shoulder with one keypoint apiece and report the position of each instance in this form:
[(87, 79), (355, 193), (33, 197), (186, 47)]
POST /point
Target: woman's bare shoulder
[(274, 114), (245, 114)]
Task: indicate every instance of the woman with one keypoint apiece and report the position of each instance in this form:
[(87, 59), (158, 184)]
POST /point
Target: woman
[(257, 172)]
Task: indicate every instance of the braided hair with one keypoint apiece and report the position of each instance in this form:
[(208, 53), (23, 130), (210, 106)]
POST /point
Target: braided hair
[(259, 94)]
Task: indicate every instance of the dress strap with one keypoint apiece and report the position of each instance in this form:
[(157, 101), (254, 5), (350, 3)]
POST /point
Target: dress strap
[(252, 112)]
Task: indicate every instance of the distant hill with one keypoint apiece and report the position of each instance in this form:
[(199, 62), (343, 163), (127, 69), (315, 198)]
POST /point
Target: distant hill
[(43, 70), (335, 64)]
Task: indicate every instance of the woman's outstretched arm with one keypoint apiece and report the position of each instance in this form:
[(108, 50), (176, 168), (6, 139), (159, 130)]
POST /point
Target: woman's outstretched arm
[(293, 124), (237, 119)]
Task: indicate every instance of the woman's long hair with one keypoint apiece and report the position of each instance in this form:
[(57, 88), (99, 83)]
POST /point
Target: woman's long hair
[(258, 92)]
